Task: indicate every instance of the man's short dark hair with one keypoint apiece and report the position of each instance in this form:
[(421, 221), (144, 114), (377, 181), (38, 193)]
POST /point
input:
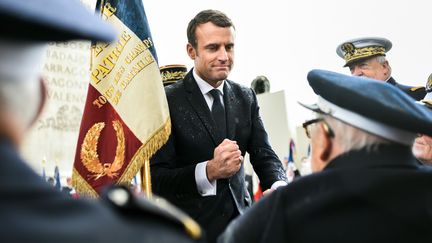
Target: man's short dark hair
[(214, 16)]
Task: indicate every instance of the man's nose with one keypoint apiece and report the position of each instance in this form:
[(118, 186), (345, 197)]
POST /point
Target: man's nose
[(223, 54)]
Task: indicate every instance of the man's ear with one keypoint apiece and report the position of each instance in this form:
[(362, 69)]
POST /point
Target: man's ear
[(327, 144), (387, 69), (191, 51)]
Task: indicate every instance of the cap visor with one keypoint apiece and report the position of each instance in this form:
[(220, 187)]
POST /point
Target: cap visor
[(312, 107)]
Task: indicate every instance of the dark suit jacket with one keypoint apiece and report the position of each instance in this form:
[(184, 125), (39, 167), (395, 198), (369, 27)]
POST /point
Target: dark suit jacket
[(379, 196), (417, 93), (33, 211), (193, 140)]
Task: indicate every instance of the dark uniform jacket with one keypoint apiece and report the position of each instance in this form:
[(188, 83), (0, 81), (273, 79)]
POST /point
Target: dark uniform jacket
[(193, 140), (379, 196), (32, 211), (417, 93)]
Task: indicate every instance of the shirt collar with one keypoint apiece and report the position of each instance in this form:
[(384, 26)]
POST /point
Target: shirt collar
[(204, 86)]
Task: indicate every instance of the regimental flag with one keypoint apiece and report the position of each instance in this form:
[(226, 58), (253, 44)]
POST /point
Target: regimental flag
[(57, 178), (126, 117)]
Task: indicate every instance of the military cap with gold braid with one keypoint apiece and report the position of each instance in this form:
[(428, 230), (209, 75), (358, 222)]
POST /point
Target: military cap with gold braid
[(362, 48), (172, 73)]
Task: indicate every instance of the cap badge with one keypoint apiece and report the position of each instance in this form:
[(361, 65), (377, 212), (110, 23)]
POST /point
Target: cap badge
[(348, 48), (429, 84)]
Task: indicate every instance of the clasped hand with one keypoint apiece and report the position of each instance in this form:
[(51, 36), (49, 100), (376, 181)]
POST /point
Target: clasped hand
[(226, 160)]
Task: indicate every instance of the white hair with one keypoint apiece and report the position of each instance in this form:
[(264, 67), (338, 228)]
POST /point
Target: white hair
[(351, 138), (20, 87), (382, 60), (22, 100)]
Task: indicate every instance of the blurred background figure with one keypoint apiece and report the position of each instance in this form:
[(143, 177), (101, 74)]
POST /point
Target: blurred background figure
[(290, 168), (68, 189), (261, 85), (172, 73), (422, 148), (366, 56), (51, 181)]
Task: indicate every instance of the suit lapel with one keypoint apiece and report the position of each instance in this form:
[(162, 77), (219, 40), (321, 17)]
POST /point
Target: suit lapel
[(198, 103), (230, 109)]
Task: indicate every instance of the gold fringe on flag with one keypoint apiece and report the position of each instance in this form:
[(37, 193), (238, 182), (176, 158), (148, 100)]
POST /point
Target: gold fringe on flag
[(144, 153), (82, 186)]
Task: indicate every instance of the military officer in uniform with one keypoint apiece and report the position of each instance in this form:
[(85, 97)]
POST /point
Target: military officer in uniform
[(366, 186), (367, 57), (31, 210)]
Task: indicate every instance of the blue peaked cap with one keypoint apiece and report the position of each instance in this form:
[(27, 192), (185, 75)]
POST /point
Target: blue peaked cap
[(51, 20), (375, 100)]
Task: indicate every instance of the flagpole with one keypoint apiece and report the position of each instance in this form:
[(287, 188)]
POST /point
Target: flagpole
[(146, 178)]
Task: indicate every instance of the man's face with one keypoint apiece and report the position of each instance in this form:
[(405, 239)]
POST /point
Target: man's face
[(370, 68), (214, 54), (422, 149)]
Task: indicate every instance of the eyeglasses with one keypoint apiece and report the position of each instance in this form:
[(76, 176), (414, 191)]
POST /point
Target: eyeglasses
[(306, 126)]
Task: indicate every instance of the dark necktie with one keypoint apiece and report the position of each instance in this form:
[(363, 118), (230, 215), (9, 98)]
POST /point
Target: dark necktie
[(218, 112)]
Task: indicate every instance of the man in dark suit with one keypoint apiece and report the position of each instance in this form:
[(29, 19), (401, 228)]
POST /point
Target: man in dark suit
[(214, 123), (30, 209), (367, 185), (366, 56)]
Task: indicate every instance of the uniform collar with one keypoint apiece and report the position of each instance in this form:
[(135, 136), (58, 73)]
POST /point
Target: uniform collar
[(391, 81), (382, 155)]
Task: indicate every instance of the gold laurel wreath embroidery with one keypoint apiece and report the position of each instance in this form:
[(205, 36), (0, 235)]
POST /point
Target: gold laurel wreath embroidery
[(348, 48), (352, 53), (167, 75), (90, 157)]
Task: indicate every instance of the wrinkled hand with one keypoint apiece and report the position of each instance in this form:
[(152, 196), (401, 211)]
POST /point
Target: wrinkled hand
[(226, 160)]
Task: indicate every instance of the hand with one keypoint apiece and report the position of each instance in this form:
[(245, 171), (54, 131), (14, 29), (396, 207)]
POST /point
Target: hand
[(226, 161), (268, 191), (422, 149)]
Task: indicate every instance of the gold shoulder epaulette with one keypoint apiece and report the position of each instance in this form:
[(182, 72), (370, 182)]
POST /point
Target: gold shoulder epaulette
[(122, 197), (416, 88), (189, 224)]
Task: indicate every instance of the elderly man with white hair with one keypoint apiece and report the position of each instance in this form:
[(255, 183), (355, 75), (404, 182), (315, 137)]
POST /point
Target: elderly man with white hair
[(366, 186)]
